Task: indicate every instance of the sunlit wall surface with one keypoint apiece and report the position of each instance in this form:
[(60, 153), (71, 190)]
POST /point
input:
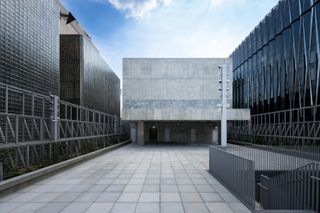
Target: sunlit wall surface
[(85, 77), (29, 45), (276, 66)]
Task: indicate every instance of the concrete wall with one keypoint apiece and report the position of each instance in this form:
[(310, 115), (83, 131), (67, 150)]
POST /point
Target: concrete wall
[(172, 89)]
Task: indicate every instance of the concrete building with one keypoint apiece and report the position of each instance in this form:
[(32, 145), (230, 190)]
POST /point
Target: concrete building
[(175, 100), (85, 78)]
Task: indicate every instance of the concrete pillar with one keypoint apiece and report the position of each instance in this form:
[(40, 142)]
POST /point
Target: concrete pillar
[(224, 115), (166, 134), (215, 136), (140, 131), (193, 135), (133, 132)]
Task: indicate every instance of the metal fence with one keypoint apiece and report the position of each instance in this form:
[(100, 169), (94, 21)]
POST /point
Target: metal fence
[(37, 130), (281, 177), (305, 152), (27, 117), (273, 158), (298, 189), (235, 172), (294, 127)]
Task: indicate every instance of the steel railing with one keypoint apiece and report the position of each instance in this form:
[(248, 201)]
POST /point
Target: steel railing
[(27, 117), (37, 130), (297, 189), (235, 172), (286, 180), (305, 152), (273, 158)]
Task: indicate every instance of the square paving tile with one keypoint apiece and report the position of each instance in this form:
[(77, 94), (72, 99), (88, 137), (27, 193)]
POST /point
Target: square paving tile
[(27, 207), (76, 208), (52, 207), (190, 197), (66, 197), (148, 208), (100, 208), (170, 197), (187, 188), (115, 188), (210, 197), (129, 197), (87, 197), (149, 197), (108, 197), (219, 207), (151, 188), (132, 178), (7, 207), (171, 207), (195, 208), (124, 208), (168, 188)]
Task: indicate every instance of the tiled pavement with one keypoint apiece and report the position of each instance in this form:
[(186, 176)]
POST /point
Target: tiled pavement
[(163, 178)]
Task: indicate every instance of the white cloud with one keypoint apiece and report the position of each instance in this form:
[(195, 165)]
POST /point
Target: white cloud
[(138, 8), (219, 3), (186, 28)]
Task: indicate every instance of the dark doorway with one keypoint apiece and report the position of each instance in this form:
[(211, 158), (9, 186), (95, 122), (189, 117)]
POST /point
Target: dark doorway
[(153, 134)]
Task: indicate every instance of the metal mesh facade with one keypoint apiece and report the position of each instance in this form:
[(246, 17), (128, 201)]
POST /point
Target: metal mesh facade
[(276, 66), (29, 45), (277, 75), (70, 68), (85, 77)]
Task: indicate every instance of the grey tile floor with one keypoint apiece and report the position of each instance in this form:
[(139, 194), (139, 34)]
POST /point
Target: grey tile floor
[(163, 178)]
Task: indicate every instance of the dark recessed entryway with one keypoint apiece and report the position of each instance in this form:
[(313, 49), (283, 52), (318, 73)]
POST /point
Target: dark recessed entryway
[(153, 134)]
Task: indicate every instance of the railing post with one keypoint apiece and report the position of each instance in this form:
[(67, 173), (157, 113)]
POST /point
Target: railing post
[(54, 101), (17, 130), (115, 125), (1, 172)]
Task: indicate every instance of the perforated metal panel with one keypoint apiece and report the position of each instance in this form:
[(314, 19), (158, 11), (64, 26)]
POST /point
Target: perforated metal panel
[(29, 45), (85, 77)]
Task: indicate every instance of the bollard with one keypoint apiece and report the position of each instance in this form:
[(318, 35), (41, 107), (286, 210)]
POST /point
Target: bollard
[(1, 172)]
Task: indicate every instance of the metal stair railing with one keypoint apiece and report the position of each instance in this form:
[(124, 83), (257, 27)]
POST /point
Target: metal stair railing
[(298, 189)]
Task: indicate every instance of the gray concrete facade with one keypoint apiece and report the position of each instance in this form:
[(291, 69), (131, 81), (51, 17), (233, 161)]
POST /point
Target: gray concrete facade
[(160, 91)]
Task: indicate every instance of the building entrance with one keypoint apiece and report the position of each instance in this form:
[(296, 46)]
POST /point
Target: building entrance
[(153, 134)]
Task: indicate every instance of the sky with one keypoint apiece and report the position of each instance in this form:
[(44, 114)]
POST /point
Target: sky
[(167, 28)]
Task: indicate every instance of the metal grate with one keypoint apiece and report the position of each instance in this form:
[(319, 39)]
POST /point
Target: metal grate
[(29, 46)]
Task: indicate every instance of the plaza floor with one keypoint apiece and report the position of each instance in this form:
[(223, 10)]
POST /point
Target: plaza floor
[(151, 178)]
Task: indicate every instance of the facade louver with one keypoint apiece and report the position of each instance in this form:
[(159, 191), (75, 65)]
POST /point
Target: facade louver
[(277, 74)]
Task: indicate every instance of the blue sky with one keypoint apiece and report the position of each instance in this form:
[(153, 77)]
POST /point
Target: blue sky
[(167, 28)]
